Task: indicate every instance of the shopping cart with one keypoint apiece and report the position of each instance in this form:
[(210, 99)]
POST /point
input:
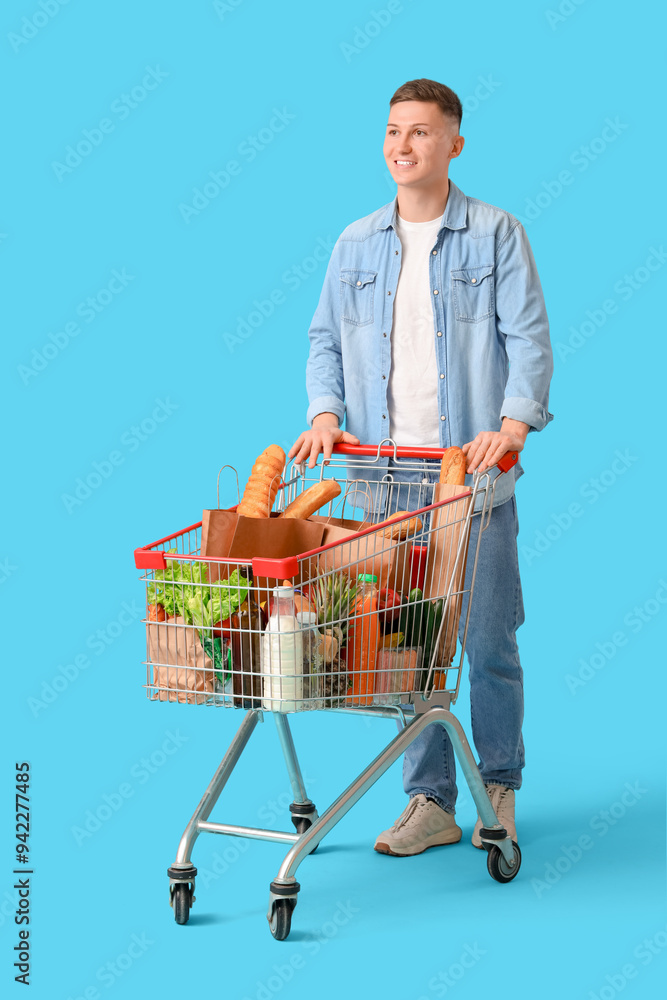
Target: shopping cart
[(366, 623)]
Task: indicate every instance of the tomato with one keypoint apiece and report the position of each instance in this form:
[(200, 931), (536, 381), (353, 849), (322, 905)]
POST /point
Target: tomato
[(222, 630)]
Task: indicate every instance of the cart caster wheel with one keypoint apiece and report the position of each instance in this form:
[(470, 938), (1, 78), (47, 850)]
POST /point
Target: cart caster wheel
[(498, 867), (180, 900), (280, 919), (302, 823)]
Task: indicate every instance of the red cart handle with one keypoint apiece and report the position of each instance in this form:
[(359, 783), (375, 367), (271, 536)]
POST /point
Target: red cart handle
[(387, 451)]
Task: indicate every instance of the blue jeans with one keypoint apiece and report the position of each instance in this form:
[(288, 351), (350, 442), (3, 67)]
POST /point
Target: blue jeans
[(496, 676)]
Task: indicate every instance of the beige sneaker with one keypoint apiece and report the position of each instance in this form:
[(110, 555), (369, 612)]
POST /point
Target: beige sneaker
[(502, 800), (422, 824)]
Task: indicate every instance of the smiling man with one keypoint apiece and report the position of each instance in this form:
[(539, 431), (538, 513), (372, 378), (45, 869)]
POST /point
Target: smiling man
[(431, 329)]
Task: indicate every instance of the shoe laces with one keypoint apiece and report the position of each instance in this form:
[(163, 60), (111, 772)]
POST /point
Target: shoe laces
[(415, 803), (499, 796)]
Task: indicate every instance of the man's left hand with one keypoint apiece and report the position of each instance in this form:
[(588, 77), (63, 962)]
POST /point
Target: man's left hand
[(486, 450)]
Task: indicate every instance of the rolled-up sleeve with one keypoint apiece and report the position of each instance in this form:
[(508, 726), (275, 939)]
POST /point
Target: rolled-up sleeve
[(521, 319), (325, 384)]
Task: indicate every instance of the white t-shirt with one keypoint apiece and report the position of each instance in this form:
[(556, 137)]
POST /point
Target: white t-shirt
[(412, 392)]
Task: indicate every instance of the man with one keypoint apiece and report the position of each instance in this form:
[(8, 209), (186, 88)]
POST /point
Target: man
[(431, 329)]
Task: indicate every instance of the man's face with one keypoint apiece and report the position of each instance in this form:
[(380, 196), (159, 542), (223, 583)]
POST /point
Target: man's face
[(419, 143)]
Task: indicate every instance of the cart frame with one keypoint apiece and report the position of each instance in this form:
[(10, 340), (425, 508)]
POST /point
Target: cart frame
[(432, 708)]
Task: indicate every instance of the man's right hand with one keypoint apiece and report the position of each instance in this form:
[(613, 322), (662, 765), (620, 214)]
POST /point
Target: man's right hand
[(324, 434)]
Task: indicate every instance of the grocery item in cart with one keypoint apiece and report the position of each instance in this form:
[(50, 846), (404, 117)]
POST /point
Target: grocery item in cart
[(363, 641), (282, 656), (312, 499), (263, 484), (247, 625), (403, 529), (397, 673), (313, 659), (171, 642)]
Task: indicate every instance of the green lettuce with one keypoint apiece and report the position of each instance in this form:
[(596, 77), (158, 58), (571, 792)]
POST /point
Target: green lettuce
[(183, 589)]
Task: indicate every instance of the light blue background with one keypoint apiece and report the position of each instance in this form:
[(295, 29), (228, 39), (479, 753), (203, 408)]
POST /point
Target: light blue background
[(551, 84)]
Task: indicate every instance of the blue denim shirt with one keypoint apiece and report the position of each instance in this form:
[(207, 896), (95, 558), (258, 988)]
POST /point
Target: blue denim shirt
[(490, 328)]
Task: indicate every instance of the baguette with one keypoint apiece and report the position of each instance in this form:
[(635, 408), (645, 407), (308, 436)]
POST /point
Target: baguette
[(312, 499), (398, 532), (262, 486), (453, 467)]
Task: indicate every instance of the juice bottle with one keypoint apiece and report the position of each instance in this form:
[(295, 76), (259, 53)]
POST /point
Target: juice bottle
[(362, 642)]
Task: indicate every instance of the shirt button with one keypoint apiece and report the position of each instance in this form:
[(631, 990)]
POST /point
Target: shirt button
[(443, 418), (384, 416), (434, 252), (384, 334), (388, 293), (383, 377), (473, 281), (440, 333), (435, 291), (358, 284), (442, 376), (396, 253)]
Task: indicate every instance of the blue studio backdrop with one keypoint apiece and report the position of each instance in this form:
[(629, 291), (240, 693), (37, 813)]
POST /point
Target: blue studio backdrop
[(175, 176)]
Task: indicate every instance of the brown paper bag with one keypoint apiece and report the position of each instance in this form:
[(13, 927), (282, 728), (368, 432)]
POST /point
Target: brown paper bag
[(180, 664), (373, 553), (229, 535), (447, 530)]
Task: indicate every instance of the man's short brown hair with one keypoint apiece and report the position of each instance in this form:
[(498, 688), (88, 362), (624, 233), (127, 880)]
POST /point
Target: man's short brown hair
[(430, 90)]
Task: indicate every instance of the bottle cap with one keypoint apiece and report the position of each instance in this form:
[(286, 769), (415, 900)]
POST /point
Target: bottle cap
[(367, 578), (283, 591), (307, 617)]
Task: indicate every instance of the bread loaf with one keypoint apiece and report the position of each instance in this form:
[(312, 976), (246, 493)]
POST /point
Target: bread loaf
[(453, 467), (262, 486), (400, 531), (312, 499)]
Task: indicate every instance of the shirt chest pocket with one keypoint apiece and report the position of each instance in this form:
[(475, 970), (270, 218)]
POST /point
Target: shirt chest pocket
[(357, 289), (473, 293)]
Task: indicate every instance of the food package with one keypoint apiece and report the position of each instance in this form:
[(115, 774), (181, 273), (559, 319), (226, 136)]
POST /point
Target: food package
[(226, 534), (181, 669), (396, 671), (372, 553)]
